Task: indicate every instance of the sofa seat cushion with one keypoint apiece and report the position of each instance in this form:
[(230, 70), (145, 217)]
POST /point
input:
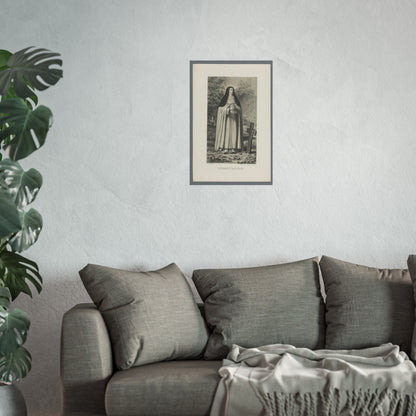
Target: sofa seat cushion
[(183, 388)]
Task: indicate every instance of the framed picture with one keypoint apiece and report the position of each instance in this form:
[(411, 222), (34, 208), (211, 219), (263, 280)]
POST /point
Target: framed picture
[(231, 122)]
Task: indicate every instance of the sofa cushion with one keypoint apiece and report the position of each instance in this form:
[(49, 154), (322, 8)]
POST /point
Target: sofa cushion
[(366, 306), (174, 388), (151, 316), (262, 305), (411, 263)]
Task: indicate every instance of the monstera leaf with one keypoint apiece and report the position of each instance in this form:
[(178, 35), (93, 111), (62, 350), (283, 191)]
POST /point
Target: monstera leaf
[(15, 360), (33, 67), (13, 331), (15, 270), (31, 222), (31, 101), (22, 186), (15, 366), (27, 128), (4, 301), (9, 215), (4, 57), (17, 189)]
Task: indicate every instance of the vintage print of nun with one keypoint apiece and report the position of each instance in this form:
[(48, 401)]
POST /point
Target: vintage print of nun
[(229, 129)]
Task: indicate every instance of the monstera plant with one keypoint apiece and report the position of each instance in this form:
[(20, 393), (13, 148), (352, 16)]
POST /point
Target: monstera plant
[(23, 129)]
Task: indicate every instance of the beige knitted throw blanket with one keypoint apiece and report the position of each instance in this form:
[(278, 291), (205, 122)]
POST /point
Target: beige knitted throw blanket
[(281, 380)]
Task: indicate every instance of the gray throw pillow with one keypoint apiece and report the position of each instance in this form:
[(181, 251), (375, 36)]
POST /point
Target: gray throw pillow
[(411, 263), (366, 306), (262, 305), (150, 316)]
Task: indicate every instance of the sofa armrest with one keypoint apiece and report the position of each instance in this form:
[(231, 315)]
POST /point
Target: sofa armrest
[(86, 361)]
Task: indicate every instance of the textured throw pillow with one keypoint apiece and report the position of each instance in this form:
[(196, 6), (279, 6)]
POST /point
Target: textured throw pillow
[(365, 306), (262, 305), (150, 316), (411, 263)]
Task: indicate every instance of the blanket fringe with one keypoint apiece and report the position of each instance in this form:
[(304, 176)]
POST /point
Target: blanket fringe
[(358, 402)]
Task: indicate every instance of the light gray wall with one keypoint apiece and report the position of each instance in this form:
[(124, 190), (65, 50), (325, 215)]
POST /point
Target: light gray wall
[(116, 162)]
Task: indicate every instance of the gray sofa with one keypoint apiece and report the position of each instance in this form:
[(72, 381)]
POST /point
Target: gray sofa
[(248, 307), (90, 384)]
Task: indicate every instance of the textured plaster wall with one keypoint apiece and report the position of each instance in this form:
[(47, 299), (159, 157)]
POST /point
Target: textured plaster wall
[(116, 162)]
